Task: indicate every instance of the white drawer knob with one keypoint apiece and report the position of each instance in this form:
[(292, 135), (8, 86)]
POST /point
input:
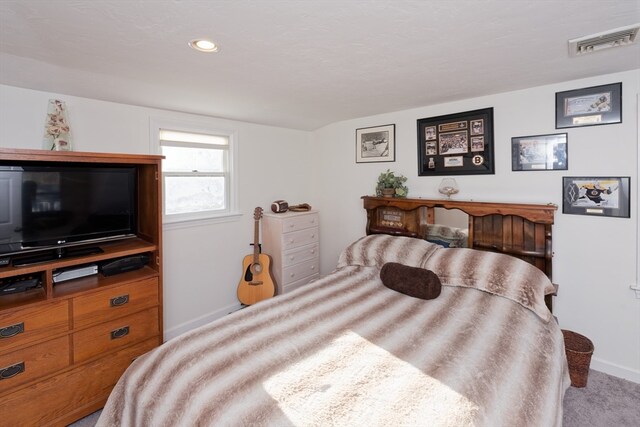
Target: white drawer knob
[(313, 267), (313, 236), (292, 275), (313, 251), (291, 258), (292, 225), (291, 240)]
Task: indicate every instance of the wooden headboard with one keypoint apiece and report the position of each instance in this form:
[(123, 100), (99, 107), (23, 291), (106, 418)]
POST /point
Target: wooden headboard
[(519, 230)]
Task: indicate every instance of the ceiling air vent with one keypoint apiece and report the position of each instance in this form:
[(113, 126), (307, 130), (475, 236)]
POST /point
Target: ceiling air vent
[(622, 36)]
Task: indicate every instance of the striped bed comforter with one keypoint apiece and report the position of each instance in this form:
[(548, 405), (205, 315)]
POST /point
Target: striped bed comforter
[(347, 351)]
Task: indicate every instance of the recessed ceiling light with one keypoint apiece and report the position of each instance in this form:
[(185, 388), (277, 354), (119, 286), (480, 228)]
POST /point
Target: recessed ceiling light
[(203, 45)]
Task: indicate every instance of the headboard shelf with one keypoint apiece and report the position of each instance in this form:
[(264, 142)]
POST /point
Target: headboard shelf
[(542, 214), (517, 229)]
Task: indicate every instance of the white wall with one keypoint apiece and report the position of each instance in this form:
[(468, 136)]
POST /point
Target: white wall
[(202, 264), (595, 258)]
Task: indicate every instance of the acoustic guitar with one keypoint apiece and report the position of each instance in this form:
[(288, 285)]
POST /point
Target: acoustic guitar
[(256, 283)]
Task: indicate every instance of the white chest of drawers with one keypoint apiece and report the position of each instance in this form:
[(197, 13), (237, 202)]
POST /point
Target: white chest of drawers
[(291, 239)]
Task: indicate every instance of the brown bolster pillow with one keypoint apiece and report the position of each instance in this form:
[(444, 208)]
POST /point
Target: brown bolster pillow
[(413, 281)]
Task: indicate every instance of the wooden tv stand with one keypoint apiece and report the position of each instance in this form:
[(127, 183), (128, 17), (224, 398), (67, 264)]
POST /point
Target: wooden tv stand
[(64, 345)]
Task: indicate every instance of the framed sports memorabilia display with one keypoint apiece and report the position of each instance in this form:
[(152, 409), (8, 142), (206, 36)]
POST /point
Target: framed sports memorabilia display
[(591, 106), (539, 152), (596, 196), (376, 144), (456, 144)]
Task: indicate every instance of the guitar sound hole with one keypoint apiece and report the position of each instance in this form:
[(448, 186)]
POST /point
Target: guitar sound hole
[(257, 268)]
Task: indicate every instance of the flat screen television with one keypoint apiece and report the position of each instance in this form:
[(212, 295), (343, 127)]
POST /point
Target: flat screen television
[(48, 209)]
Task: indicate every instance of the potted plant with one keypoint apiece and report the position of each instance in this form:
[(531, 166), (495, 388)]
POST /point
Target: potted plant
[(390, 185)]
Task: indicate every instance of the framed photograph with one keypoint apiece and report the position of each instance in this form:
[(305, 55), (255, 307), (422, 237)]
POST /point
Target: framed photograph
[(596, 196), (376, 144), (456, 144), (539, 152), (597, 105)]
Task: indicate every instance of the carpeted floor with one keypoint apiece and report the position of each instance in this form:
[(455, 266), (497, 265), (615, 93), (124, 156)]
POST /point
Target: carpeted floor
[(606, 401)]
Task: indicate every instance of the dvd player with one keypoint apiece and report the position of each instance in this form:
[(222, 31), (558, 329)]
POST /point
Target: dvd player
[(124, 264), (74, 273), (22, 283)]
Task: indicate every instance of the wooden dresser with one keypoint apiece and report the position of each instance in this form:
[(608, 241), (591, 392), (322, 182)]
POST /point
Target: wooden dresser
[(291, 239), (64, 345)]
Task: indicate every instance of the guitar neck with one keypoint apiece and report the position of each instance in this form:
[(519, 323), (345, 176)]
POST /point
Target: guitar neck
[(256, 238)]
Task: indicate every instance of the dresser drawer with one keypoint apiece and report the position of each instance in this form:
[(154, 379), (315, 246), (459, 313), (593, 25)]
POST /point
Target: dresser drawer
[(297, 255), (114, 302), (33, 362), (54, 399), (301, 222), (29, 324), (299, 238), (115, 334), (299, 271)]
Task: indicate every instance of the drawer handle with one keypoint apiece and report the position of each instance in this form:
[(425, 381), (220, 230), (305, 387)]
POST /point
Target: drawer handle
[(292, 275), (12, 330), (11, 371), (120, 332), (313, 267), (313, 236), (313, 251), (119, 300), (291, 258)]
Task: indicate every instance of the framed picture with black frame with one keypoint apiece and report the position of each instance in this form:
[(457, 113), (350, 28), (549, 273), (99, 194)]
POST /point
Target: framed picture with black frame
[(539, 152), (591, 106), (456, 144), (596, 196), (376, 144)]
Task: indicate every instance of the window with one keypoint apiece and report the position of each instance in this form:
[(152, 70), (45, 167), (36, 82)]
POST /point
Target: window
[(197, 176)]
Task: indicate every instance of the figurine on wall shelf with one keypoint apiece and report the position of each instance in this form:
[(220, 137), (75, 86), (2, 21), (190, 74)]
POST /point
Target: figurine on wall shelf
[(57, 134)]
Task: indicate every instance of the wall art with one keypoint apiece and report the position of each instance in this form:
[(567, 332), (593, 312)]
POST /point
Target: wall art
[(456, 144), (539, 152), (376, 144), (596, 105), (596, 196)]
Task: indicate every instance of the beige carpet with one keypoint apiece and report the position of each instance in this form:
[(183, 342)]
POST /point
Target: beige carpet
[(606, 401)]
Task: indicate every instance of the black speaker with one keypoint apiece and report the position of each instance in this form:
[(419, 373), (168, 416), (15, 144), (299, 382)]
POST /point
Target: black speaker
[(279, 206), (121, 265)]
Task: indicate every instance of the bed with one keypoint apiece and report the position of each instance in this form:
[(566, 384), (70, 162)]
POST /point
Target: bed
[(348, 350)]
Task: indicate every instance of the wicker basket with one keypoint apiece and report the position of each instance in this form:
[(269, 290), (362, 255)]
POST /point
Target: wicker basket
[(579, 350)]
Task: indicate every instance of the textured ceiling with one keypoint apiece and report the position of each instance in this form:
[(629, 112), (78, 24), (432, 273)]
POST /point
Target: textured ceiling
[(302, 64)]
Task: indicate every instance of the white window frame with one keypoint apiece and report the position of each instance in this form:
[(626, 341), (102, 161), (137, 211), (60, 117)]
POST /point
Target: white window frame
[(190, 219)]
